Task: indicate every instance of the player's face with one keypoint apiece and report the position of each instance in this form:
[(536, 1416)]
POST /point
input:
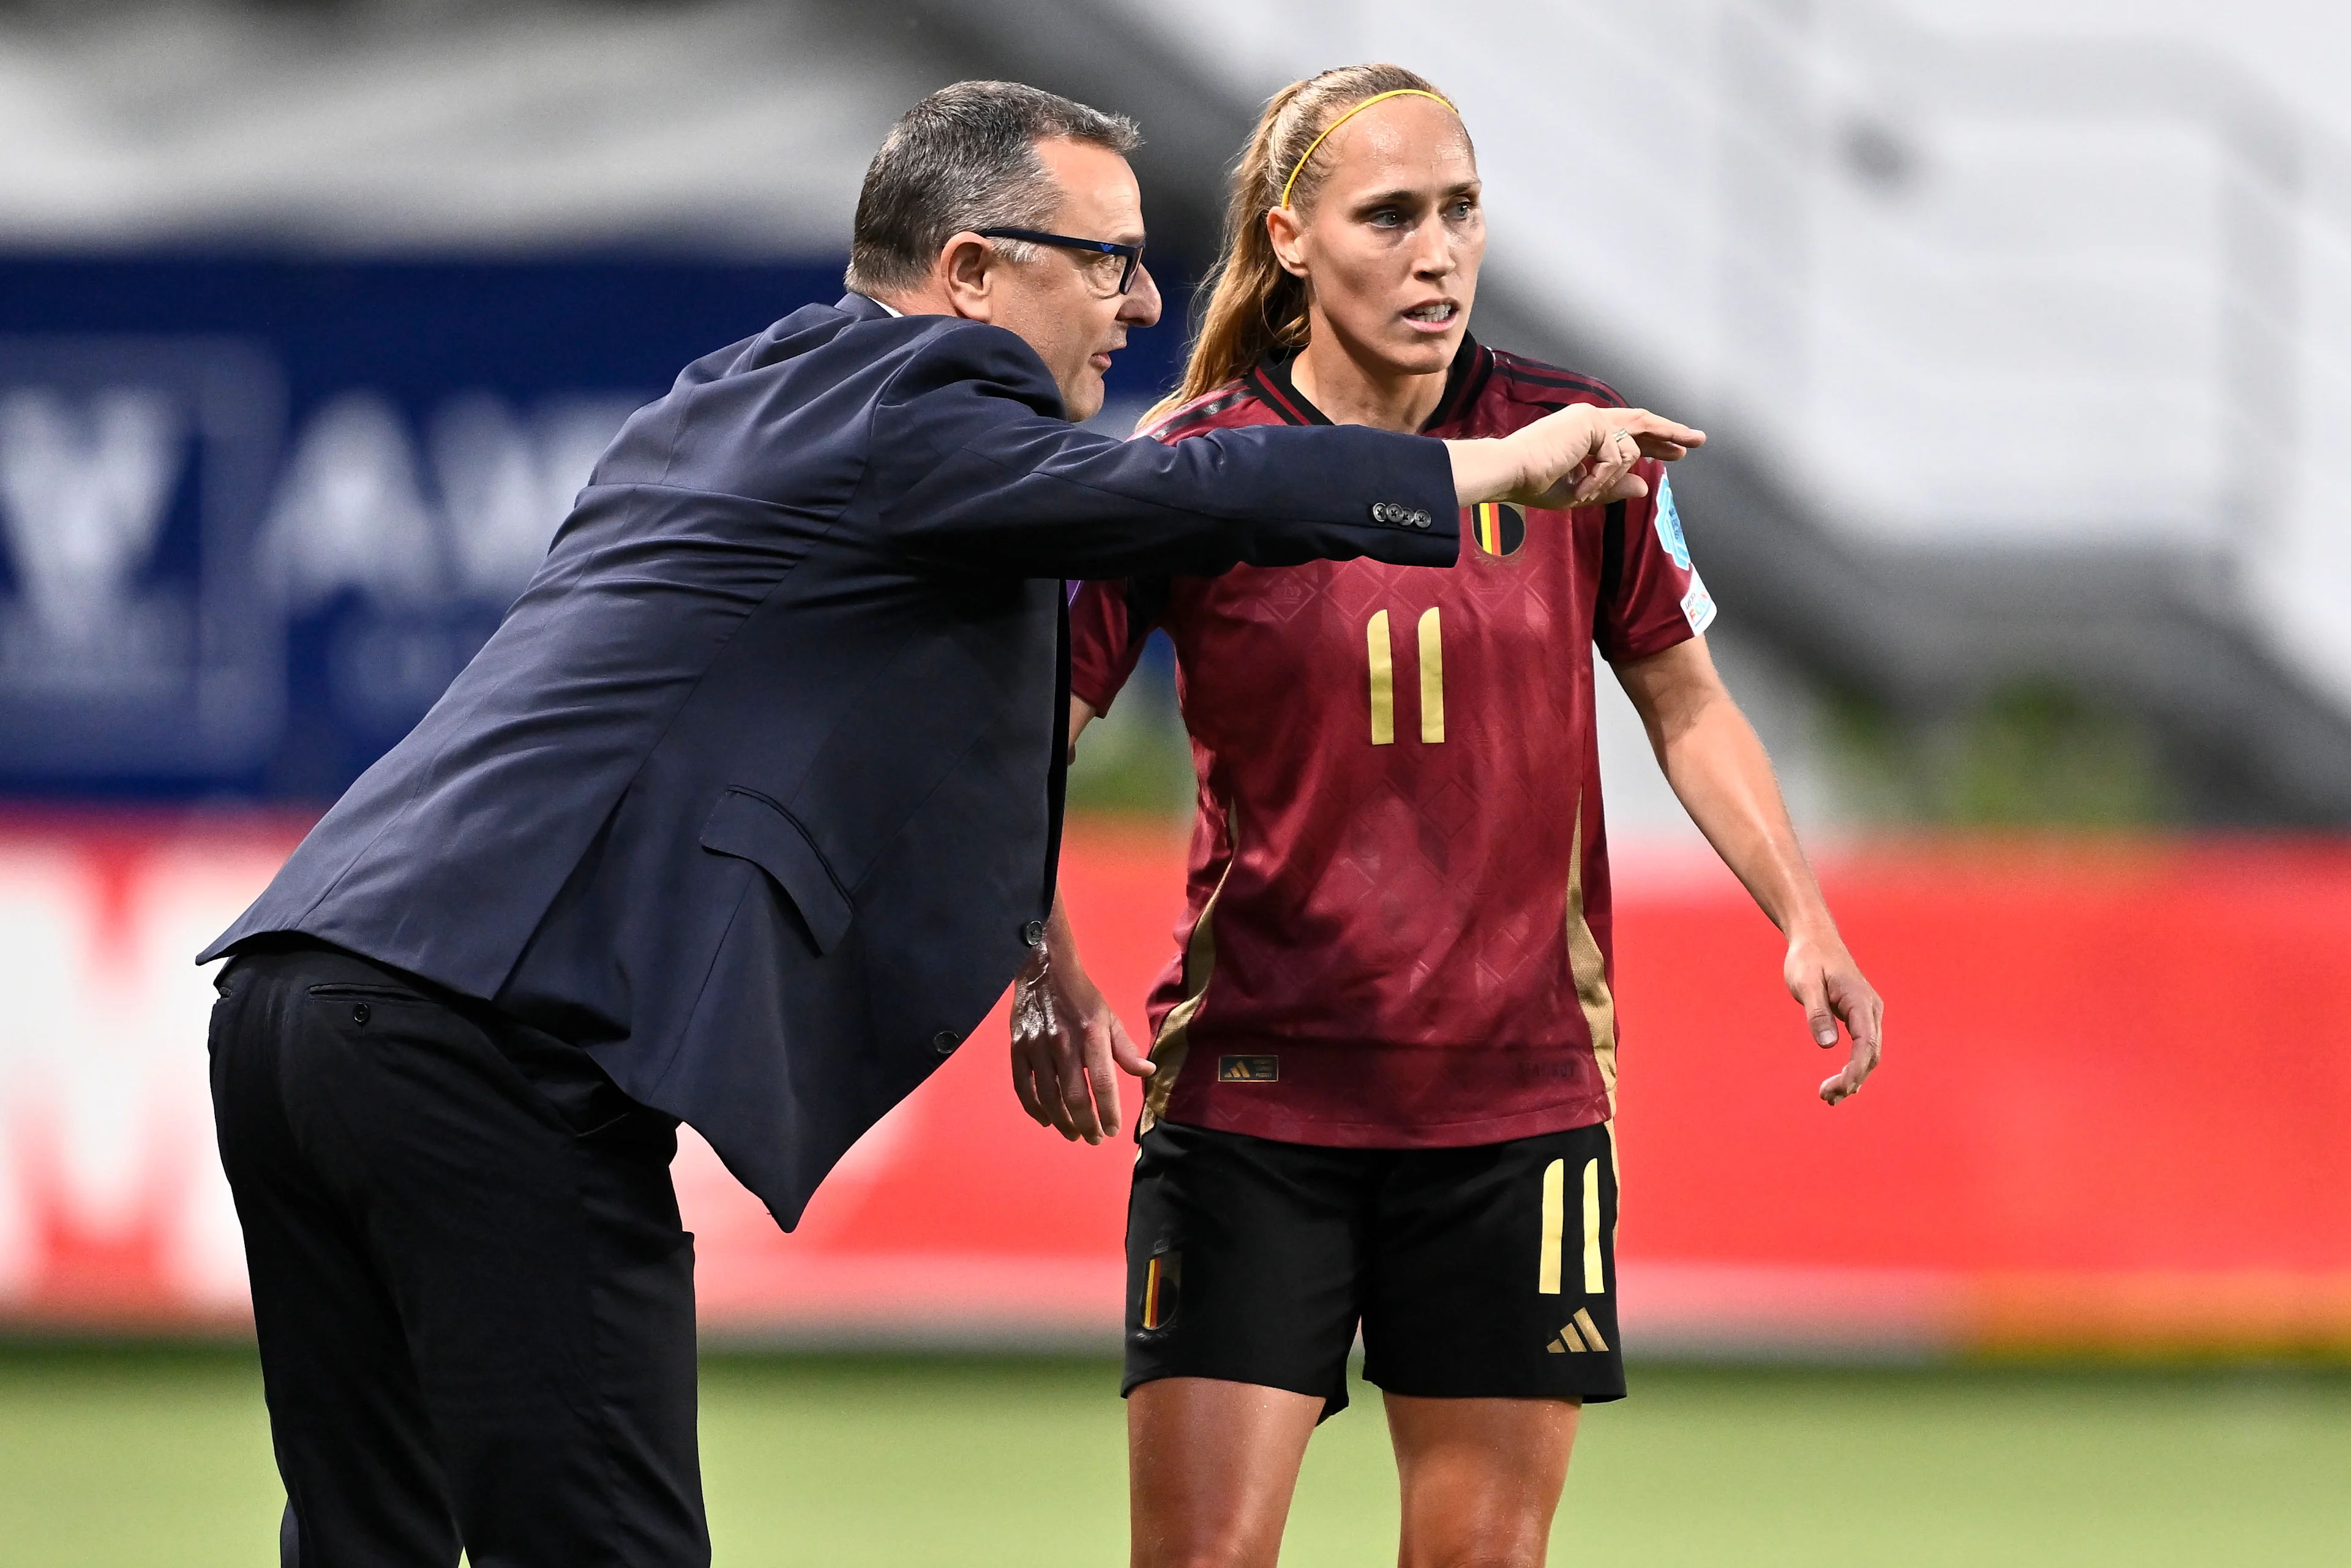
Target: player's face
[(1066, 302), (1390, 249)]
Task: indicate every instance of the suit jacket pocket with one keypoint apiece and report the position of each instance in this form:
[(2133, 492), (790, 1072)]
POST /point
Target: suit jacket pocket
[(751, 826)]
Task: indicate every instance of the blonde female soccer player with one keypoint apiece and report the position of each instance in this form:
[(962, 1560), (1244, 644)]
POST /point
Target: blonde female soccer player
[(1385, 1051)]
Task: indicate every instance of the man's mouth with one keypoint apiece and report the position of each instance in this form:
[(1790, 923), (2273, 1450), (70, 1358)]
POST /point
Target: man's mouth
[(1434, 317)]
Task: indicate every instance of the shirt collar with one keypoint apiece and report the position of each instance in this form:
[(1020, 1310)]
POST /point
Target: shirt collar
[(1270, 380)]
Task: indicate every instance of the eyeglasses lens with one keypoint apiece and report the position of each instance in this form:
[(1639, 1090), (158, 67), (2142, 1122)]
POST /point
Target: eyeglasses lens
[(1107, 275)]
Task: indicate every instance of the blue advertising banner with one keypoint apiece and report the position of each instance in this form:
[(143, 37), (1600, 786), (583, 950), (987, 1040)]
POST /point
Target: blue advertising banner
[(255, 514)]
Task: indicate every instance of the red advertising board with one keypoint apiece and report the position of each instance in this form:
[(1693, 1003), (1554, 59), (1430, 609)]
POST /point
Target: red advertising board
[(2113, 1114)]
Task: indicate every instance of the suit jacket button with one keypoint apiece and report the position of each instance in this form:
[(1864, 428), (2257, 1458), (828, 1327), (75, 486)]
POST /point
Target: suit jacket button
[(361, 1012), (945, 1042), (1033, 934), (1382, 512)]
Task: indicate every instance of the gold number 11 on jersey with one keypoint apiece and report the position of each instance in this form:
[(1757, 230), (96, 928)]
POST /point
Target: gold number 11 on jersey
[(1432, 679)]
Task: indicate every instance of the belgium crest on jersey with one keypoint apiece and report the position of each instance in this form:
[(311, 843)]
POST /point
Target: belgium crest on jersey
[(1498, 526)]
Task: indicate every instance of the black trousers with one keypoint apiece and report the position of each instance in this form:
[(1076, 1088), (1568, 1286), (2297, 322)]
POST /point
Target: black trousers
[(473, 1298)]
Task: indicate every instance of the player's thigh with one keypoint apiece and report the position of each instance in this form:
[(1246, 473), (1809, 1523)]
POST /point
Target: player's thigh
[(1245, 1260), (1479, 1478), (1489, 1321), (1493, 1272), (1211, 1468)]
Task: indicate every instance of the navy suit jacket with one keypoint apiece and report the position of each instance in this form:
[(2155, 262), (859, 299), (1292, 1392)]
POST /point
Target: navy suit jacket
[(756, 790)]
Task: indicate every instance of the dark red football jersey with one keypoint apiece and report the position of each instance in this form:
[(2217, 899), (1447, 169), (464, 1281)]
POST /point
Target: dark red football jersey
[(1397, 933)]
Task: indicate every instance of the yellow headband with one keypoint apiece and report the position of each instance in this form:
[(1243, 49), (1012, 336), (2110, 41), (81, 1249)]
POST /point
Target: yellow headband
[(1375, 97)]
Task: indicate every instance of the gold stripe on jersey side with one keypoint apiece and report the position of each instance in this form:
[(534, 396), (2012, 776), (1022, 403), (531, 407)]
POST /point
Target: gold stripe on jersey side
[(1376, 638), (1589, 970), (1432, 677), (1595, 1280), (1554, 1228), (1175, 1039)]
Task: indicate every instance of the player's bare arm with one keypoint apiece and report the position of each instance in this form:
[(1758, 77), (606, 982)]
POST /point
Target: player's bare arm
[(1068, 1045), (1579, 457), (1719, 771)]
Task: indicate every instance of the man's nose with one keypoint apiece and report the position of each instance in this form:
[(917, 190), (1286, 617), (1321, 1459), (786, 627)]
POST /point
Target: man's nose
[(1139, 305)]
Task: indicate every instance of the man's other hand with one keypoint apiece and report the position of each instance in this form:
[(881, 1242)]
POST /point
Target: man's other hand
[(1068, 1046)]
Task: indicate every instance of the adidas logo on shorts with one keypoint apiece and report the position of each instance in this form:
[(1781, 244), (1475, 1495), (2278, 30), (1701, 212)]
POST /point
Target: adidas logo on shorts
[(1579, 1333)]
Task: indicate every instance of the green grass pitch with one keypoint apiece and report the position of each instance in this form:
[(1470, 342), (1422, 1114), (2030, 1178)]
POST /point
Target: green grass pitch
[(124, 1457)]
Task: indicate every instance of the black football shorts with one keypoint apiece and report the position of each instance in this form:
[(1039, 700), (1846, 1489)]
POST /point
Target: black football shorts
[(1485, 1272)]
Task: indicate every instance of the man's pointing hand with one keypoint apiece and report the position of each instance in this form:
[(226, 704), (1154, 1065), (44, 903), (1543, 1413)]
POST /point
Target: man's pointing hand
[(1578, 456)]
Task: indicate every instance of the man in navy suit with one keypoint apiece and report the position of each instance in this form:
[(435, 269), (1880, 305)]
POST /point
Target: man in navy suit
[(744, 818)]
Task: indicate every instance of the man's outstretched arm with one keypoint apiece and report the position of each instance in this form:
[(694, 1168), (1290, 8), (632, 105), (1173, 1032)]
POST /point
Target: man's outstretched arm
[(978, 477), (1719, 769)]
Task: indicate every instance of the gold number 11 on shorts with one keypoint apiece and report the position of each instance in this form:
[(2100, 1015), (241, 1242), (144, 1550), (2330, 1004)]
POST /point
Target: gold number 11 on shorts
[(1382, 661), (1550, 1263)]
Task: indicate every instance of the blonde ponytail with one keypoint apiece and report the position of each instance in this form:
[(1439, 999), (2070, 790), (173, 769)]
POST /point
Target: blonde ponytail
[(1254, 307)]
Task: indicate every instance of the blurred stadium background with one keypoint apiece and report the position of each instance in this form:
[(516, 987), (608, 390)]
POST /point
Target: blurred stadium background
[(2024, 332)]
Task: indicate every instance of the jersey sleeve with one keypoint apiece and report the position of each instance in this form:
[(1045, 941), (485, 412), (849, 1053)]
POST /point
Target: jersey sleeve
[(1109, 620), (1651, 596)]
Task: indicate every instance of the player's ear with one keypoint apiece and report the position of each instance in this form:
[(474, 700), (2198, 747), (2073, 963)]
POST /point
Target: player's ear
[(1287, 230), (967, 271)]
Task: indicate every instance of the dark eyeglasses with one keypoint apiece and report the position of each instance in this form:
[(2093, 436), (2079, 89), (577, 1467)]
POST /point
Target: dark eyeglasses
[(1132, 254)]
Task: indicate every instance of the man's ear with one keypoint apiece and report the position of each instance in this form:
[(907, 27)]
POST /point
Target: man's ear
[(967, 276), (1287, 234)]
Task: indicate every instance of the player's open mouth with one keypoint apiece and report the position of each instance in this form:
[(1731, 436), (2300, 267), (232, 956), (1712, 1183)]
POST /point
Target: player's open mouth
[(1435, 317)]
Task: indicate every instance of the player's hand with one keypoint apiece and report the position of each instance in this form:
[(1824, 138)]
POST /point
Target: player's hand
[(1828, 985), (1582, 456), (1068, 1046)]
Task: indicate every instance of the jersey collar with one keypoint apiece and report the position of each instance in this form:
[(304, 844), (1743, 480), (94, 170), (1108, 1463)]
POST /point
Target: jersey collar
[(1467, 377)]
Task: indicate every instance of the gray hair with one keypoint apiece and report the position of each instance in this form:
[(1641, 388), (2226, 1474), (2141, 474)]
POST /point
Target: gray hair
[(965, 158)]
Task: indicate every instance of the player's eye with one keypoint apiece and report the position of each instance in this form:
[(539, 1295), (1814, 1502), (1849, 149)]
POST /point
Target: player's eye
[(1460, 209), (1386, 218)]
